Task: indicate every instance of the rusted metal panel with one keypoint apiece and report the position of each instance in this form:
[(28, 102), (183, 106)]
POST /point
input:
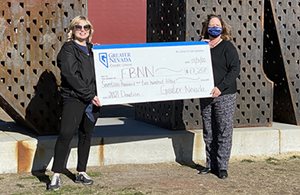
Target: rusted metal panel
[(255, 91), (283, 47), (166, 21), (33, 32)]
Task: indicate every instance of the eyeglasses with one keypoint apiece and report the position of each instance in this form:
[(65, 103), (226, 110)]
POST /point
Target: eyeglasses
[(86, 27)]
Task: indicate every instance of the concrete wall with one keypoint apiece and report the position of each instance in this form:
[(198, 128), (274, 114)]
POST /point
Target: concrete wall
[(139, 143)]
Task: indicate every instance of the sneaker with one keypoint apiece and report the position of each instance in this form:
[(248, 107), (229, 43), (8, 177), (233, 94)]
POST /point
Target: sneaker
[(204, 171), (55, 183), (83, 178)]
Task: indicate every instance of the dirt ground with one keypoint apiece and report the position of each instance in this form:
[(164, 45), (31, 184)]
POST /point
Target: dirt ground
[(271, 175)]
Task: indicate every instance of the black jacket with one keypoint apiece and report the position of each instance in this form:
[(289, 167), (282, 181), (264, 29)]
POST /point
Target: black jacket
[(226, 67), (77, 72)]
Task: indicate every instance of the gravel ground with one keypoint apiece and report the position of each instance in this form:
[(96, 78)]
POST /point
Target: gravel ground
[(270, 175)]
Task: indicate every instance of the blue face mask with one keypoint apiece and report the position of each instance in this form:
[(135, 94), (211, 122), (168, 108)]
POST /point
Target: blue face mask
[(214, 31)]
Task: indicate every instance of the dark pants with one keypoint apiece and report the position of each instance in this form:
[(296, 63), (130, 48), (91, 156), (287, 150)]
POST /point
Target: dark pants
[(217, 115), (73, 119)]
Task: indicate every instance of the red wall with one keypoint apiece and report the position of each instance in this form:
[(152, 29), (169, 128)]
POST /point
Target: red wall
[(118, 21)]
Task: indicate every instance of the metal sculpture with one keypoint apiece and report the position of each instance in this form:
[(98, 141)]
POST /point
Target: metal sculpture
[(32, 35), (255, 91)]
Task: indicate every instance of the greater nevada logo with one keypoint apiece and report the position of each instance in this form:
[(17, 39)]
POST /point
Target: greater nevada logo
[(103, 59)]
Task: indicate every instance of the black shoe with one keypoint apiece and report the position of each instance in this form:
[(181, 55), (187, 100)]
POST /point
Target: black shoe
[(223, 174), (204, 171), (84, 179), (55, 183)]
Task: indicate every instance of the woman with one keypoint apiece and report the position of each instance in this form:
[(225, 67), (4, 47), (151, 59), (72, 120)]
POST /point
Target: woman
[(80, 102), (218, 111)]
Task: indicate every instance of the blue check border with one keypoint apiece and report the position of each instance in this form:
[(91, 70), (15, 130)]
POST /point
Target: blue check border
[(157, 44)]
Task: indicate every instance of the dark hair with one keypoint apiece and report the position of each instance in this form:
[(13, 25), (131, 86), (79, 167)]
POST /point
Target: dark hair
[(226, 33)]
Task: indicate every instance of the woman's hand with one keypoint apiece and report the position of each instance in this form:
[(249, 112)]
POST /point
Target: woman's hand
[(215, 92), (96, 101)]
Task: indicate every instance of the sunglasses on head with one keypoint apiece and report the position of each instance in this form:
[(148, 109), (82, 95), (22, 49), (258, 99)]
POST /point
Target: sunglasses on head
[(85, 27)]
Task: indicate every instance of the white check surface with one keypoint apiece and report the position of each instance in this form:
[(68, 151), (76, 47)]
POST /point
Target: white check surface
[(150, 72)]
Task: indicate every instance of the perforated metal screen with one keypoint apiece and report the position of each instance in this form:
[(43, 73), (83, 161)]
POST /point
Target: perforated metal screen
[(283, 58), (32, 34), (255, 92)]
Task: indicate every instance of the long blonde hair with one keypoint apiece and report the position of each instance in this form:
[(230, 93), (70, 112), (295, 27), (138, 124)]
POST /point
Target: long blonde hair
[(226, 32), (75, 21)]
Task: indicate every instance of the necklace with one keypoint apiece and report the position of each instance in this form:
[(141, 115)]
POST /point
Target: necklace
[(212, 45)]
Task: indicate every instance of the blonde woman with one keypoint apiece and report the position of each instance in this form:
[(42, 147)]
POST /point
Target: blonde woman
[(80, 102)]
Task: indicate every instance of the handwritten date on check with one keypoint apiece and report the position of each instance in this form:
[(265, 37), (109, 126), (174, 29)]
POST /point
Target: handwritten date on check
[(134, 73)]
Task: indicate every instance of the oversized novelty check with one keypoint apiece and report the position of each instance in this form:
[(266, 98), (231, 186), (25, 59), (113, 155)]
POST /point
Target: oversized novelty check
[(133, 73)]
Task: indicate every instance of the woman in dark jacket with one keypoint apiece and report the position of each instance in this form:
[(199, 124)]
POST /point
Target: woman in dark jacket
[(78, 89), (218, 111)]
